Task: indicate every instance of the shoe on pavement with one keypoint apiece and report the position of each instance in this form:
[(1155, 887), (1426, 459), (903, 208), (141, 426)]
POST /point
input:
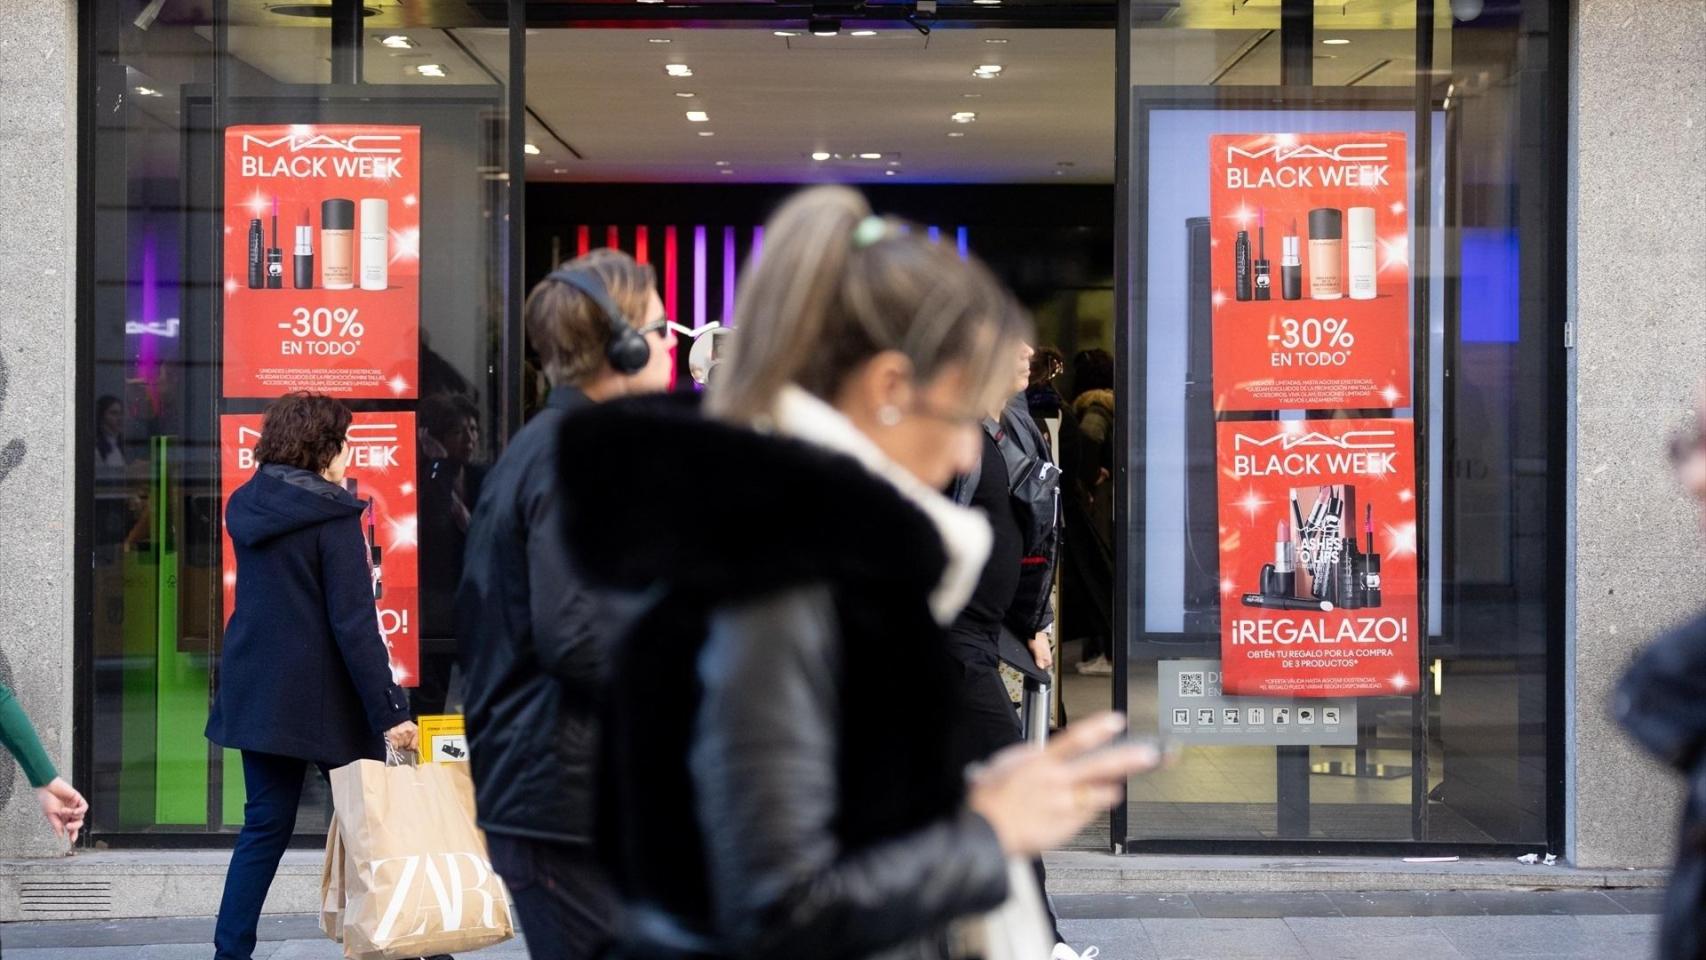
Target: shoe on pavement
[(1064, 952), (1099, 667)]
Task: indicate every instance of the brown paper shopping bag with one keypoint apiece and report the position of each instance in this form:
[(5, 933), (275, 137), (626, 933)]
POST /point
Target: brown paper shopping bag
[(417, 879), (332, 886)]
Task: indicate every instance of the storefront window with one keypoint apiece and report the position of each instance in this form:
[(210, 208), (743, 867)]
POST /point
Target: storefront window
[(283, 199), (1342, 370)]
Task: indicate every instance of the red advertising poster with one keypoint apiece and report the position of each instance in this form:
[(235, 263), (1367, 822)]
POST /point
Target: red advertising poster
[(1318, 558), (1311, 275), (322, 260), (382, 473)]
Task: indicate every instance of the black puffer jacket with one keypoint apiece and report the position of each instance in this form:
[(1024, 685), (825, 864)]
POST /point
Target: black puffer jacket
[(784, 706), (1661, 702)]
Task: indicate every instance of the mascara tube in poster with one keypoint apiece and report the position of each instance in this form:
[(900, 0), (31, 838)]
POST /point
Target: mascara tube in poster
[(375, 245), (257, 255), (1326, 249), (1264, 275), (1286, 603), (1241, 265), (337, 244), (275, 254)]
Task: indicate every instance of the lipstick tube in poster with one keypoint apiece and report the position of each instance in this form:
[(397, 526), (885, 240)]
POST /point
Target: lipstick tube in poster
[(1286, 603), (1241, 266), (1291, 266), (1279, 579), (375, 244), (1359, 246), (302, 258)]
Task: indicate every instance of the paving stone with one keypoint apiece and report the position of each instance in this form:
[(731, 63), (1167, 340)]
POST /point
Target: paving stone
[(1231, 906), (1410, 903), (1371, 938), (1223, 940), (1096, 906), (1115, 939), (1625, 936), (1504, 938), (1560, 903), (1645, 900)]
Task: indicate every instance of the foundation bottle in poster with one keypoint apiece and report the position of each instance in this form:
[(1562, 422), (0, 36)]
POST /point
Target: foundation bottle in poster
[(1360, 252), (1326, 252), (337, 244), (375, 244)]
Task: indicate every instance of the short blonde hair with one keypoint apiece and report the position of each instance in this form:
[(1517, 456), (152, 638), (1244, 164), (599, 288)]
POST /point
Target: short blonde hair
[(568, 330)]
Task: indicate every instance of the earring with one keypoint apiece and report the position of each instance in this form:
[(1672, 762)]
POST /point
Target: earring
[(889, 416)]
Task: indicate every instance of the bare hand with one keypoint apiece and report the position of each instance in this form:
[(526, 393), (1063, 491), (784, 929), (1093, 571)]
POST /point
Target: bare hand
[(1042, 651), (63, 807), (403, 736), (1038, 799)]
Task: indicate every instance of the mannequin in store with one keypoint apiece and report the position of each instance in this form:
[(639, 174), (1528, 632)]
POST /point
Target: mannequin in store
[(533, 635)]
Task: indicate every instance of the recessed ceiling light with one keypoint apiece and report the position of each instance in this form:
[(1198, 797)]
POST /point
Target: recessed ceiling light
[(971, 96), (870, 156), (698, 116), (863, 33), (1336, 42), (964, 116), (987, 3), (685, 95), (988, 71), (955, 133), (398, 42), (659, 40), (722, 163), (820, 156), (996, 40), (430, 70), (825, 26), (559, 170), (147, 92), (707, 133), (650, 1), (888, 173), (894, 163), (787, 33), (530, 149), (727, 173), (678, 69)]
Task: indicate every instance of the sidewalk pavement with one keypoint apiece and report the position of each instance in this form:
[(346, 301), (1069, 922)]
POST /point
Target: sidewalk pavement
[(1429, 925)]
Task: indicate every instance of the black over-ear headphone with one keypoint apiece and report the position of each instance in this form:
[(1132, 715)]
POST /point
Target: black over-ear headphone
[(627, 351)]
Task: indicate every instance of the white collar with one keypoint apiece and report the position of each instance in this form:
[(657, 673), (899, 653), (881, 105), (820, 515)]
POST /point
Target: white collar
[(965, 533)]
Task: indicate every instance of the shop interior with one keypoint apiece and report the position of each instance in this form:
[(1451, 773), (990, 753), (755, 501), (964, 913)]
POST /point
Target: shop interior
[(992, 125)]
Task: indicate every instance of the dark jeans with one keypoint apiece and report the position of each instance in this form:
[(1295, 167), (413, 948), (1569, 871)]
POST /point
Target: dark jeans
[(565, 904), (989, 722), (274, 786)]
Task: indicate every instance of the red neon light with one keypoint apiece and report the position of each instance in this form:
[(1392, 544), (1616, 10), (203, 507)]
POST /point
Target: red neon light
[(671, 272), (583, 240), (642, 244), (613, 238)]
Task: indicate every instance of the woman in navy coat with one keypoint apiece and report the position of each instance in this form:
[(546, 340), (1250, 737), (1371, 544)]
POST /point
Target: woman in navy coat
[(304, 677)]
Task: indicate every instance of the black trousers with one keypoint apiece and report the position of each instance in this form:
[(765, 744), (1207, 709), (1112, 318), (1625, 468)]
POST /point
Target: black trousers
[(988, 722), (565, 904)]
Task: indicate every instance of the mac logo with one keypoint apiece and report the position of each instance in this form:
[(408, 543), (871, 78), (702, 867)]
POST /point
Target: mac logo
[(297, 143), (1280, 153), (1351, 440)]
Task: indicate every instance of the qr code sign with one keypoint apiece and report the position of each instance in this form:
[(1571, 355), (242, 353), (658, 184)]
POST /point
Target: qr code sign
[(1191, 684)]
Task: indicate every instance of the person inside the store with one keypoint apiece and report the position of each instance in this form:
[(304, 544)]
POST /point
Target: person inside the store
[(779, 780), (1661, 702), (450, 484), (304, 624), (533, 634)]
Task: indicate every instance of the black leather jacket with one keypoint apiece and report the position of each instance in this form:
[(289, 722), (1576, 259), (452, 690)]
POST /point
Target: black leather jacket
[(777, 781)]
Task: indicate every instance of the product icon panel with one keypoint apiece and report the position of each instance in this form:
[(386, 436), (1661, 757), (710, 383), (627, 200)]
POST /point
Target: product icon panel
[(1230, 716), (1330, 716), (1181, 718), (1205, 718), (1305, 715), (1282, 716)]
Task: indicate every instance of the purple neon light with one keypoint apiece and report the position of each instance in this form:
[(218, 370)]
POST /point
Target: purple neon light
[(757, 243), (728, 275), (699, 277), (935, 234), (964, 242)]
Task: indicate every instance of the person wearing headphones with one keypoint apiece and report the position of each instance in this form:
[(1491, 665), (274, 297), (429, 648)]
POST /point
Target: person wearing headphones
[(533, 635)]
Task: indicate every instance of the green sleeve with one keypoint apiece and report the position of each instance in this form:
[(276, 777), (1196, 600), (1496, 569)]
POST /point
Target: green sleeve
[(19, 738)]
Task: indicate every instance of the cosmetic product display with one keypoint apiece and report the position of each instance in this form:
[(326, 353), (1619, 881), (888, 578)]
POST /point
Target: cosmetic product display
[(275, 256), (1359, 248), (1264, 280), (1326, 250), (1241, 265), (1287, 603), (1279, 579), (302, 257), (369, 534), (257, 256), (375, 245), (1370, 565), (1291, 265), (337, 244)]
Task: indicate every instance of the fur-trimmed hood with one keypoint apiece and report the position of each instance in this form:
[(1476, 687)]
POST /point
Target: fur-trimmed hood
[(664, 495)]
